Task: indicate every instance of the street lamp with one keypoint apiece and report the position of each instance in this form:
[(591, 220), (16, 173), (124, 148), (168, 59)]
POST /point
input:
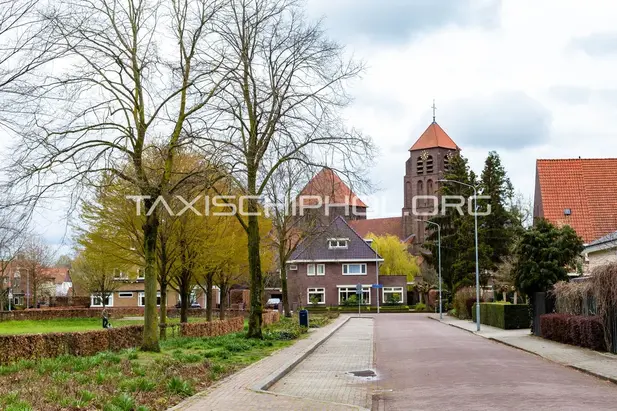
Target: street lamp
[(439, 253), (475, 215)]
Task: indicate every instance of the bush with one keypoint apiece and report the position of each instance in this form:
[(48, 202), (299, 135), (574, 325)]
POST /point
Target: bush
[(503, 315), (463, 300), (420, 307), (583, 331)]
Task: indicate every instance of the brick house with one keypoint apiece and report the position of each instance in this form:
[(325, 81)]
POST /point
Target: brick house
[(131, 293), (325, 269)]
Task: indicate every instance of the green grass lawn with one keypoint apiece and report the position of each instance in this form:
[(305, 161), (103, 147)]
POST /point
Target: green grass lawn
[(134, 380), (69, 324)]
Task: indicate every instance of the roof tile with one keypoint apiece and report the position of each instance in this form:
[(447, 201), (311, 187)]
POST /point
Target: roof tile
[(434, 136)]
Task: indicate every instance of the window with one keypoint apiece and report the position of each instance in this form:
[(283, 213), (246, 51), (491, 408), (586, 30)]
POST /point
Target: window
[(141, 301), (316, 296), (120, 275), (321, 269), (429, 165), (420, 167), (17, 301), (346, 292), (354, 269), (393, 295), (293, 267), (97, 301), (310, 269), (125, 294), (141, 274), (334, 243)]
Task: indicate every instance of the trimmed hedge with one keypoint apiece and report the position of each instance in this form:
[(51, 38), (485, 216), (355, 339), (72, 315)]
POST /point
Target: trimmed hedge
[(270, 317), (33, 346), (365, 309), (579, 330), (505, 316), (213, 328), (118, 312)]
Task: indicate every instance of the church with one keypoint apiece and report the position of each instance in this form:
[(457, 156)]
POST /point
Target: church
[(428, 162)]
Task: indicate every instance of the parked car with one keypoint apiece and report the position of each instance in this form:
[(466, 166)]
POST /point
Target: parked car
[(273, 303), (194, 304)]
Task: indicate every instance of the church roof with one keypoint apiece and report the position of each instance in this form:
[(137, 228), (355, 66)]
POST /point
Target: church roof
[(579, 193), (379, 227), (434, 136), (327, 183)]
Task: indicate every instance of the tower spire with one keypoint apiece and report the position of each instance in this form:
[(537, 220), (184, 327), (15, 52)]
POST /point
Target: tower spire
[(434, 110)]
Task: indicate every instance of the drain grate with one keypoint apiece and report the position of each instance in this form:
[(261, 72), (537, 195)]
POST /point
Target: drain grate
[(363, 373)]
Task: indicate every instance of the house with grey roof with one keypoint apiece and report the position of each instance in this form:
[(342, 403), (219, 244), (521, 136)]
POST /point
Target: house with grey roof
[(325, 269), (600, 252)]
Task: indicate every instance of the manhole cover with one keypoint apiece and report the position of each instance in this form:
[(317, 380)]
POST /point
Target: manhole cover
[(364, 373)]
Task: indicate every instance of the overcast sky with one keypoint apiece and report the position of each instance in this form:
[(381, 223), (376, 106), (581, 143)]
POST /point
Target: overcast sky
[(529, 79)]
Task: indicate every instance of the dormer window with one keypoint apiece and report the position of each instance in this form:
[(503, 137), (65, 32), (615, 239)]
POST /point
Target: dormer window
[(338, 243)]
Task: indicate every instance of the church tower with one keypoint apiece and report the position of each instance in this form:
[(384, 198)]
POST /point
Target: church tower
[(427, 163)]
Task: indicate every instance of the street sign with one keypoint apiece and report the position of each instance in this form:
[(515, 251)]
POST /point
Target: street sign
[(377, 286), (359, 289)]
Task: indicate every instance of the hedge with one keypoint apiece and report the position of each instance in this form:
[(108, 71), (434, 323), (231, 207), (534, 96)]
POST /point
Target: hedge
[(579, 330), (117, 312), (33, 346), (505, 316), (270, 317), (365, 309)]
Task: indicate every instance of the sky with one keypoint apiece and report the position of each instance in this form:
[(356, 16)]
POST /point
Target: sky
[(528, 79)]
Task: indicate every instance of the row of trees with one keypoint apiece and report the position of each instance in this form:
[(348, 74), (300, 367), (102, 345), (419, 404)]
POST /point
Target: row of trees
[(102, 87), (498, 232)]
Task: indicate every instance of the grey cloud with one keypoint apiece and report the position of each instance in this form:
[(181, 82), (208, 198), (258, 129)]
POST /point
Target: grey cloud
[(576, 95), (397, 20), (597, 44), (507, 120)]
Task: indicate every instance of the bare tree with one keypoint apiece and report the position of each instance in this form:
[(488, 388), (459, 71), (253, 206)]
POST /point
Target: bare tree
[(136, 73), (283, 102), (35, 257), (11, 242)]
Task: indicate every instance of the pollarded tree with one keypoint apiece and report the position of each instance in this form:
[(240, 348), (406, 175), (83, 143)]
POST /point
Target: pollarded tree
[(137, 73), (544, 254), (283, 104)]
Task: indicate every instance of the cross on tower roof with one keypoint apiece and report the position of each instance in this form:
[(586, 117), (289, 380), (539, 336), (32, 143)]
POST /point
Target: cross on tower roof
[(434, 110)]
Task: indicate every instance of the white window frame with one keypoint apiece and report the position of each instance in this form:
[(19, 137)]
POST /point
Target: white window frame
[(293, 267), (141, 274), (127, 294), (338, 243), (351, 289), (392, 290), (345, 267), (110, 300), (321, 269), (142, 295), (310, 269), (313, 291)]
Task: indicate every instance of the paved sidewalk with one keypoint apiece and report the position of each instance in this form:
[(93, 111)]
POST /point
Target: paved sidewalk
[(245, 389), (325, 374), (602, 365)]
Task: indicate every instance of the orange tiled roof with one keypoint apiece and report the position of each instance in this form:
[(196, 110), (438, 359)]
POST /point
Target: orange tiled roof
[(59, 275), (588, 187), (327, 183), (378, 226), (434, 136)]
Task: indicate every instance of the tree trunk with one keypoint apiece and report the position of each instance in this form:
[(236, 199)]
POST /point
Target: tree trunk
[(284, 290), (504, 296), (223, 307), (185, 297), (163, 310), (254, 330), (151, 336), (515, 297), (209, 284)]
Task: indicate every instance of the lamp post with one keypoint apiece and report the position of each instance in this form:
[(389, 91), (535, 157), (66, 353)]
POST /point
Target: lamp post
[(475, 215), (439, 258)]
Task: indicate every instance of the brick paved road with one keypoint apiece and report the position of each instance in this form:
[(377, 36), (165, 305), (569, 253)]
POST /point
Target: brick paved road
[(324, 375), (433, 366)]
